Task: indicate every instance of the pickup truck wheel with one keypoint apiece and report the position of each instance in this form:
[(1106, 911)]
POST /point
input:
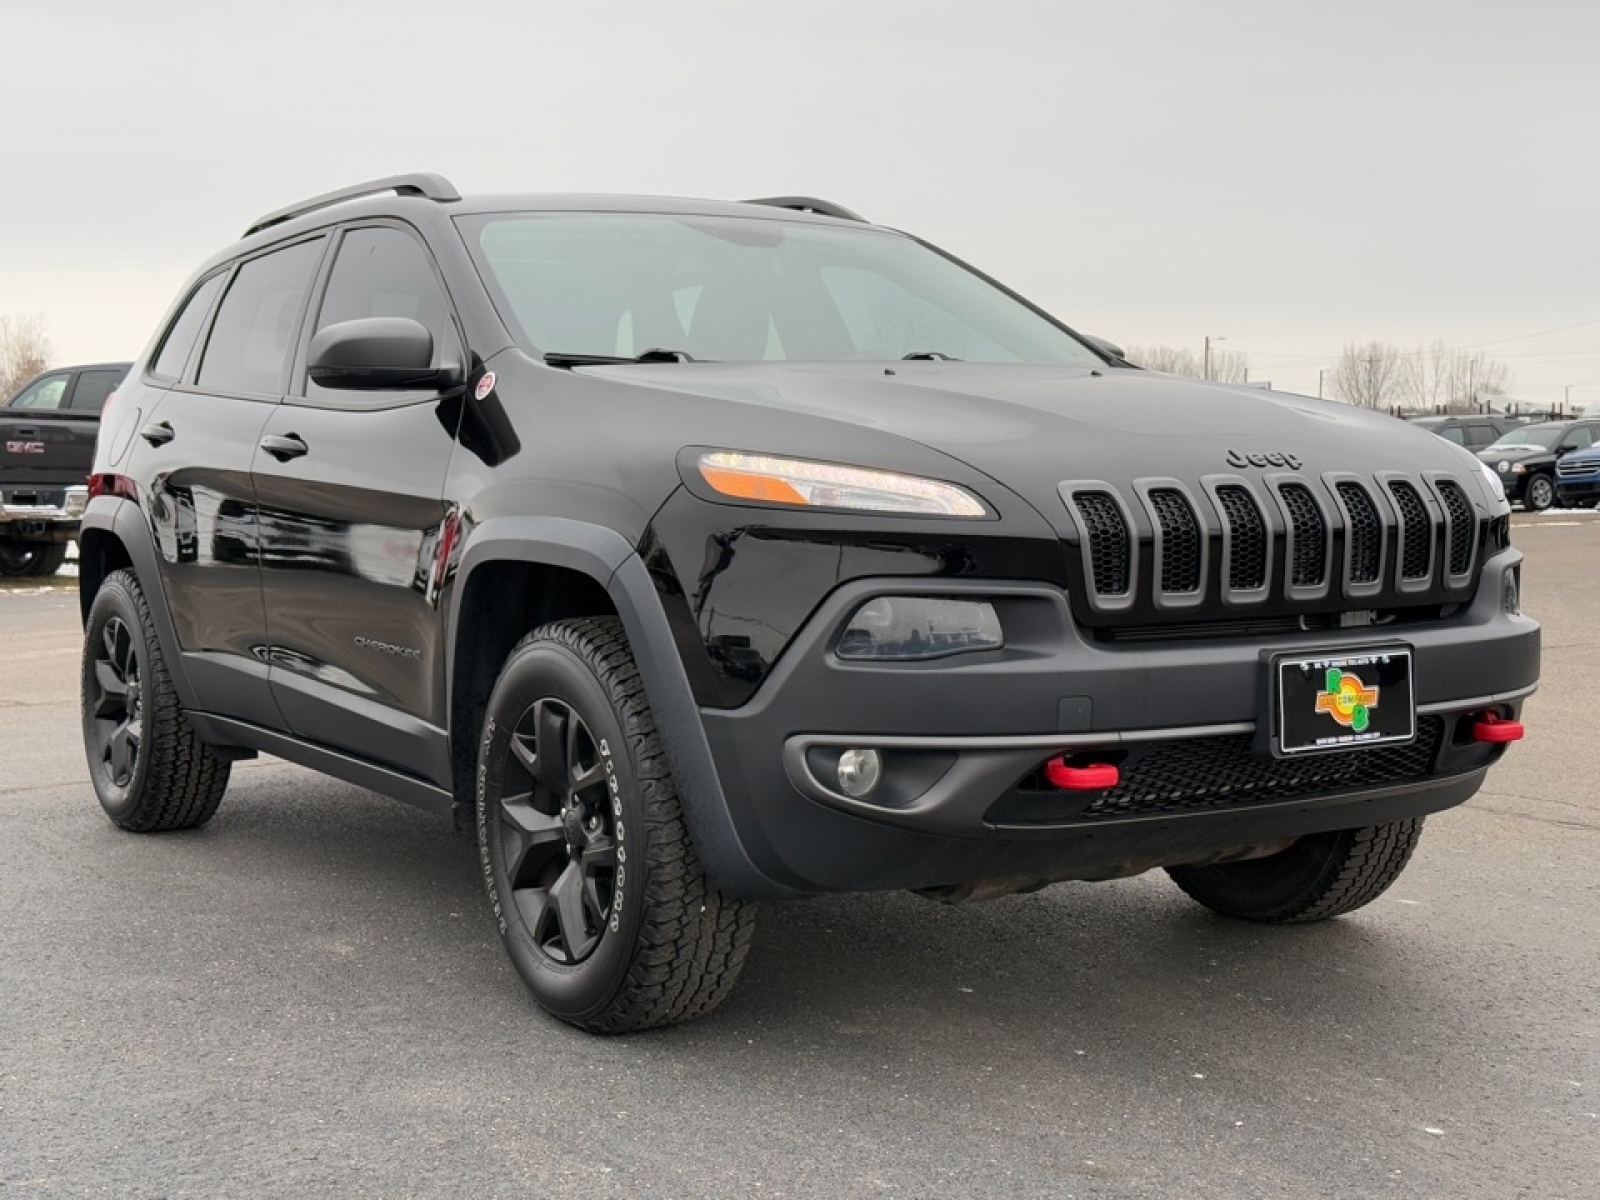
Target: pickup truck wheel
[(601, 901), (19, 557), (1320, 876), (150, 771), (1541, 493)]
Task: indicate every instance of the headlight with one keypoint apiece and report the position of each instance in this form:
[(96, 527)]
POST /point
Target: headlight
[(901, 628), (1503, 466), (830, 485), (1495, 488)]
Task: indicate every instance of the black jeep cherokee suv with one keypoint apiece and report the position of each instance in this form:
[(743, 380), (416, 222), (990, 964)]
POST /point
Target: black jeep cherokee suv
[(716, 553)]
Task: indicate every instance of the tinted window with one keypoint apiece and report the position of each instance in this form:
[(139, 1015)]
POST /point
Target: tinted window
[(43, 393), (387, 273), (180, 337), (1452, 434), (1579, 438), (251, 339), (93, 388)]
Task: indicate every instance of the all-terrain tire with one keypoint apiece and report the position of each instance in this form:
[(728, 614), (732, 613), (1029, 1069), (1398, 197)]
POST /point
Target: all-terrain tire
[(1322, 875), (19, 557), (601, 901), (150, 770)]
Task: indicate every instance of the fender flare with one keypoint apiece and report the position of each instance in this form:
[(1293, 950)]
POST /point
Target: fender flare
[(123, 520), (609, 559)]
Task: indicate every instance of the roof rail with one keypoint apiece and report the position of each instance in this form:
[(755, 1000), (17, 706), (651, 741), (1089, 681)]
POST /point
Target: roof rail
[(811, 204), (434, 187)]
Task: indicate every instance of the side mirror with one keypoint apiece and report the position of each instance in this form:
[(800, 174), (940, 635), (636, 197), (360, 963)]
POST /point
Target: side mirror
[(1110, 349), (378, 353)]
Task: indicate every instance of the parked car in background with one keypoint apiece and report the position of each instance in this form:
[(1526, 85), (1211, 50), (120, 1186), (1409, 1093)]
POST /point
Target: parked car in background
[(1525, 459), (47, 435), (1578, 478), (1474, 431)]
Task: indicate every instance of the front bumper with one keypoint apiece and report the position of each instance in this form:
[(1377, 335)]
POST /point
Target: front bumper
[(1577, 492), (963, 740)]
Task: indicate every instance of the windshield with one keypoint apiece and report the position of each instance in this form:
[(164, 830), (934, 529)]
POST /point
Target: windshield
[(736, 289), (1543, 436)]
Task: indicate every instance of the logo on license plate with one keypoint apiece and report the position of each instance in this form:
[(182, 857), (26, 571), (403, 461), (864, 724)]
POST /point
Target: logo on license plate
[(1348, 699)]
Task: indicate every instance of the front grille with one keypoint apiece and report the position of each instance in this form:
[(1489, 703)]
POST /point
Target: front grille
[(1109, 542), (1283, 545), (1180, 541), (1308, 537), (1365, 533), (1462, 531), (1568, 467), (1416, 534), (1247, 549), (1209, 774)]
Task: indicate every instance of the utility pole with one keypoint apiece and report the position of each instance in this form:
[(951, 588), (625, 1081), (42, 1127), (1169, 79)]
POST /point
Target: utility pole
[(1320, 370), (1209, 340)]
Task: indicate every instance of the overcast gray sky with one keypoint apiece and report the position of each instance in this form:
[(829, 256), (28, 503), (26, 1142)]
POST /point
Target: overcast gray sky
[(1290, 176)]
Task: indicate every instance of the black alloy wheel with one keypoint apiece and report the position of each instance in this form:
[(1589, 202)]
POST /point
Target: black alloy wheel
[(558, 831), (113, 698), (601, 901), (19, 557)]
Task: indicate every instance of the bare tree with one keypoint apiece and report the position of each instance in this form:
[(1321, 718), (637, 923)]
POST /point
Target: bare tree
[(1371, 376), (1227, 366), (24, 350), (1439, 378)]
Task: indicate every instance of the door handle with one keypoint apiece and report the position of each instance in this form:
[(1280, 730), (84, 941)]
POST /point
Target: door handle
[(284, 448), (158, 433)]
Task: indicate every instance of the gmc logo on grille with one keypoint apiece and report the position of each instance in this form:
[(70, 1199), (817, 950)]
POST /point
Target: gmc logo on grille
[(1237, 458), (24, 447)]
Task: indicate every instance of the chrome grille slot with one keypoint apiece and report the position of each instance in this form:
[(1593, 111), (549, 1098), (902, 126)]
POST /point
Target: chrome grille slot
[(1308, 537), (1247, 542), (1109, 542), (1179, 531), (1416, 532), (1364, 534)]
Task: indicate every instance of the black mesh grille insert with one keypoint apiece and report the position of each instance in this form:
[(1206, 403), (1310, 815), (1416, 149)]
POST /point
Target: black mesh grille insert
[(1218, 773), (1309, 568), (1180, 541), (1109, 549), (1418, 537), (1365, 533), (1461, 527), (1247, 566)]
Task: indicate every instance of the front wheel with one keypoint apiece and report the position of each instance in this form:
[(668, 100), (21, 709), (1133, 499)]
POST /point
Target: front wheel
[(1541, 493), (19, 557), (1320, 876), (601, 901)]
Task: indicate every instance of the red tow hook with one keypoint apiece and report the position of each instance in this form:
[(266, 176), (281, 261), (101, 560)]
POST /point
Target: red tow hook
[(1093, 778), (1491, 728)]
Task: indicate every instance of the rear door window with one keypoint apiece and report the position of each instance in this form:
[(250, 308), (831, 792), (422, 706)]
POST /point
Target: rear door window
[(254, 334)]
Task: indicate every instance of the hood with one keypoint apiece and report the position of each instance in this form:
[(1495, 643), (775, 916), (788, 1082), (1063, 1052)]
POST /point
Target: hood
[(1510, 453), (1031, 428)]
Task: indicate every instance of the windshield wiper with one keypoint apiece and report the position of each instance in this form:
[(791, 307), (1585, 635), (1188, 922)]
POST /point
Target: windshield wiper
[(928, 356), (561, 358)]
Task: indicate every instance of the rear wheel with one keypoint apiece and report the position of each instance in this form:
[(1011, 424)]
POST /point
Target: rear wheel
[(149, 769), (1320, 876), (601, 901), (20, 557), (1541, 493)]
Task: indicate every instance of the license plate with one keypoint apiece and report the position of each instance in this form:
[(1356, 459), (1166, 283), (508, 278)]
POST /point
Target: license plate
[(1343, 701)]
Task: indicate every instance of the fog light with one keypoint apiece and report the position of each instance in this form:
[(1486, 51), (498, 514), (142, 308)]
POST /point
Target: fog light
[(900, 628), (859, 772), (1511, 595)]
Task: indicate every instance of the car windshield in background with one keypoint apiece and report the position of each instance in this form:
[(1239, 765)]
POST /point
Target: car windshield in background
[(1544, 437), (732, 289)]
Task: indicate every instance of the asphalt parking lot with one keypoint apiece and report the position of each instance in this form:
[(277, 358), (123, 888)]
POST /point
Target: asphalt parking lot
[(308, 997)]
